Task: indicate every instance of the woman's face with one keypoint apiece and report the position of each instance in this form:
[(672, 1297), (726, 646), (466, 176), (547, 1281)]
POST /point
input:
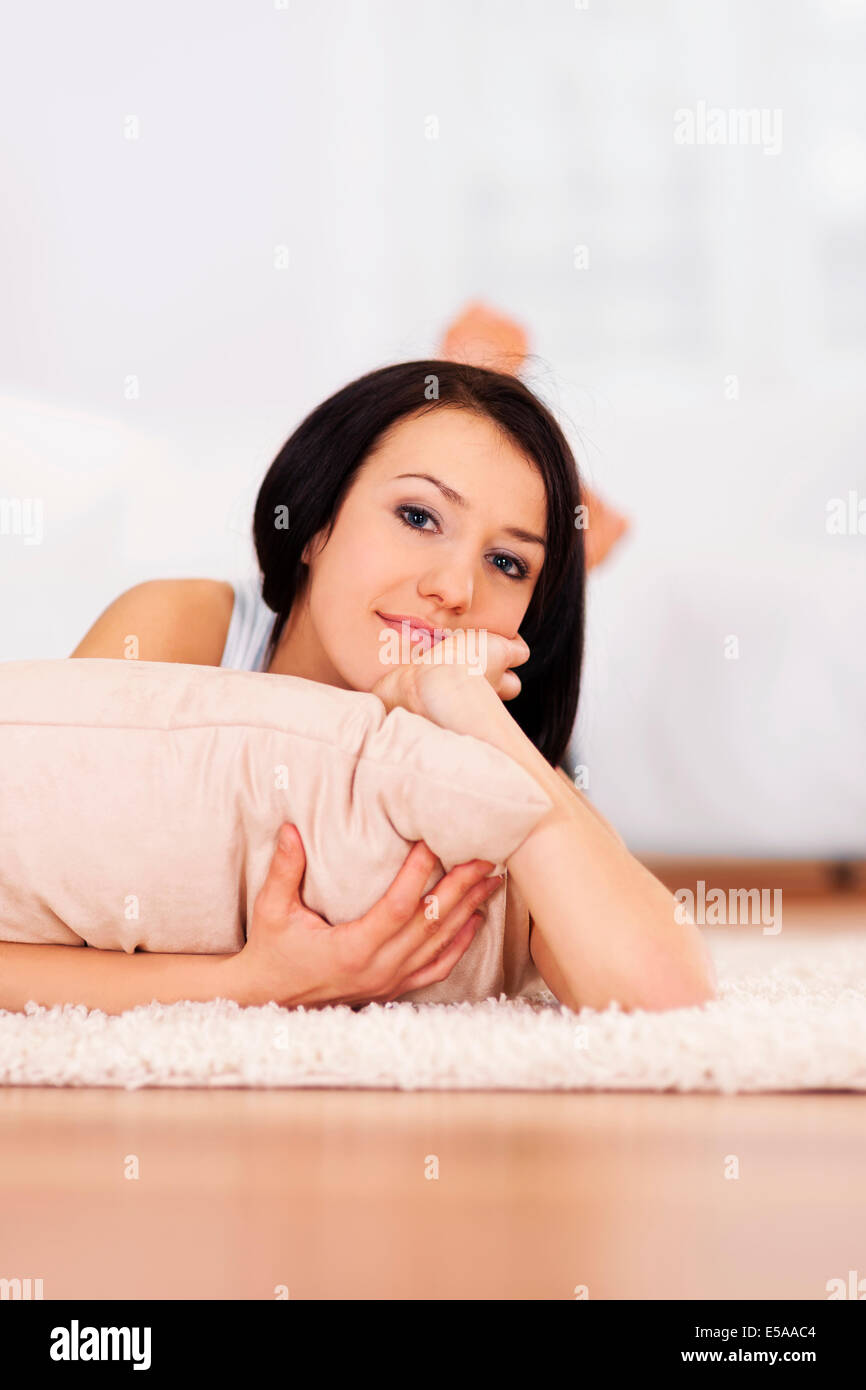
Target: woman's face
[(403, 547)]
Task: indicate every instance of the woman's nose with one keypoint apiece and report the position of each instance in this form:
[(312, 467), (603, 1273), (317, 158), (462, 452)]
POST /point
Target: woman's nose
[(449, 586)]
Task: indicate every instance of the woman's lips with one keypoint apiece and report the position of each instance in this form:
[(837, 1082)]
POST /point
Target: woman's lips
[(420, 634)]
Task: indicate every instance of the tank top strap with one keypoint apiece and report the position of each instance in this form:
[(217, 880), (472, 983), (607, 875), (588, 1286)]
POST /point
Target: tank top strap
[(249, 627)]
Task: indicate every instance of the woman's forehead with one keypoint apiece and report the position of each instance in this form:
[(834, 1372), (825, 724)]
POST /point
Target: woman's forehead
[(463, 450)]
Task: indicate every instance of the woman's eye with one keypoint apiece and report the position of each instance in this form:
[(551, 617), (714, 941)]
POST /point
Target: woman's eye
[(520, 570), (406, 510)]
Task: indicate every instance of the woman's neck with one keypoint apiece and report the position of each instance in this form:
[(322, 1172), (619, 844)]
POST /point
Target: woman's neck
[(300, 653)]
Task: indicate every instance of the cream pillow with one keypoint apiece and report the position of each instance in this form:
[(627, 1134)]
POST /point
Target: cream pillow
[(140, 800)]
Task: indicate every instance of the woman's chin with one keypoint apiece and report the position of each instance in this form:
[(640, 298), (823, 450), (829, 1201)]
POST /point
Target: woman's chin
[(364, 678)]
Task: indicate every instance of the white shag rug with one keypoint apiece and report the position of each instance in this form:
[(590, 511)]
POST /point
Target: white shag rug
[(790, 1016)]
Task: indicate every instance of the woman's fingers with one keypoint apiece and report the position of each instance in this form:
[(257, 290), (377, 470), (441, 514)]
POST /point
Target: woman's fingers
[(477, 651), (494, 654), (280, 891), (520, 651), (370, 957), (401, 934), (401, 907), (403, 931), (492, 650), (509, 686), (434, 945), (432, 928), (442, 965), (442, 949), (439, 969), (504, 653), (400, 900)]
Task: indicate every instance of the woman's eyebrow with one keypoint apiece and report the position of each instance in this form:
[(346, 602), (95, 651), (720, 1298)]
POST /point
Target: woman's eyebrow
[(460, 501)]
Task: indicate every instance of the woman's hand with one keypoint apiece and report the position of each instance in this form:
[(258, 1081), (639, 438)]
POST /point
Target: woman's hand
[(451, 692), (293, 956)]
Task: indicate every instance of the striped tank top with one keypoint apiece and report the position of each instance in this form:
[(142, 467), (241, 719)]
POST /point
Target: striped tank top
[(250, 626)]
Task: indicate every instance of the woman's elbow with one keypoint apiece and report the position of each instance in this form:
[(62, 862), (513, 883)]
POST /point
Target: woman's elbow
[(679, 986)]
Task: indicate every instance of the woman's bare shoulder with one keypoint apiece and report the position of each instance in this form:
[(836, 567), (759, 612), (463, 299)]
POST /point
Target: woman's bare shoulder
[(169, 619)]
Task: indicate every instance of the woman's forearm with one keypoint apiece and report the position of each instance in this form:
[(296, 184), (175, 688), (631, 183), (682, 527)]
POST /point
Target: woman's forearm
[(111, 980), (604, 928)]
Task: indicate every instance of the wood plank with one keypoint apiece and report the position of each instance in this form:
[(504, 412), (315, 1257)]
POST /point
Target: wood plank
[(327, 1192)]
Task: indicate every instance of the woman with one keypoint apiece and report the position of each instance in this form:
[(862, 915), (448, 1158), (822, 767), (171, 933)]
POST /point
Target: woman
[(439, 497)]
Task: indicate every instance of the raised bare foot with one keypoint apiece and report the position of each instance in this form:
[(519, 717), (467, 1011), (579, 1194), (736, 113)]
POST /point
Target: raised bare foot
[(484, 338)]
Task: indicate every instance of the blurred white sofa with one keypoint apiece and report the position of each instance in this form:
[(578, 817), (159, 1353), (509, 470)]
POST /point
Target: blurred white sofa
[(117, 504), (687, 750), (724, 707)]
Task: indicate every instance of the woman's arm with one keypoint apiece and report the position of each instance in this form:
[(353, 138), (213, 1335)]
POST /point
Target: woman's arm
[(291, 955), (604, 928), (183, 620), (158, 620), (111, 980), (585, 801)]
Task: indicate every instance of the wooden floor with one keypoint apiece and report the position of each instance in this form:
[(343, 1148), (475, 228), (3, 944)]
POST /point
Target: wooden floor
[(325, 1192)]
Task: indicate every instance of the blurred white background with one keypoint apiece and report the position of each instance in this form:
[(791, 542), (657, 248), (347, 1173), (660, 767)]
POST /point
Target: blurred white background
[(217, 214)]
